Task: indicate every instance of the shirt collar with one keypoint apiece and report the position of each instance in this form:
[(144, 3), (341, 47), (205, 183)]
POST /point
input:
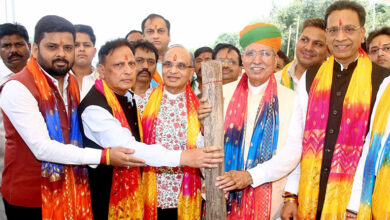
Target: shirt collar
[(5, 72), (257, 89), (341, 65)]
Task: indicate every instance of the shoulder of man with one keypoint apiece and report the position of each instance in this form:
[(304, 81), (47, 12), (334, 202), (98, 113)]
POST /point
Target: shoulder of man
[(94, 97)]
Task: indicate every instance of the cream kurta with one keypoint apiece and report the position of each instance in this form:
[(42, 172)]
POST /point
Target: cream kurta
[(286, 98)]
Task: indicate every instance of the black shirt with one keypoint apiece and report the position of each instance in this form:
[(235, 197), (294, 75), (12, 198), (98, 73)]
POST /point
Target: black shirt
[(340, 83)]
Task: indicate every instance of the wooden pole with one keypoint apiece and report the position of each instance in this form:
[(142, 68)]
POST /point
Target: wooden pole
[(213, 135)]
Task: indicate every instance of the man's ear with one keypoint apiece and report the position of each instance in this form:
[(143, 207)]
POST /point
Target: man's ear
[(101, 70), (35, 50)]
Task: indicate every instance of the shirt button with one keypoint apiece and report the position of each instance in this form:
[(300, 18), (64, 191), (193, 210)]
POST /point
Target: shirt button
[(129, 107), (327, 150), (338, 93), (331, 131), (326, 170), (334, 112), (338, 75)]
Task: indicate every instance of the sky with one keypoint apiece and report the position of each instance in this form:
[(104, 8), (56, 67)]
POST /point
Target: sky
[(193, 23)]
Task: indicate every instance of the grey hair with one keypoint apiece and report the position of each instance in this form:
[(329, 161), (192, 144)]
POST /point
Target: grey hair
[(179, 45)]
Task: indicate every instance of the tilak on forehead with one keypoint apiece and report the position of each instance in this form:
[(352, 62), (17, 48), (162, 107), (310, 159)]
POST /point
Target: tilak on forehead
[(340, 22), (126, 57), (379, 43), (226, 55), (174, 57), (61, 42), (155, 26)]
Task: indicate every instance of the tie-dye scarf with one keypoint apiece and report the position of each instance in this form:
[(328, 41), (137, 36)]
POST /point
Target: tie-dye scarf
[(189, 205), (126, 189), (287, 80), (354, 120), (251, 203), (375, 200), (65, 188)]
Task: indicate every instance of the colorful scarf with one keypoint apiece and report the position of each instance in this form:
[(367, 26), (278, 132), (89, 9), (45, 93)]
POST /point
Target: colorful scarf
[(126, 189), (65, 188), (354, 120), (189, 206), (251, 203), (156, 79), (380, 199), (287, 80)]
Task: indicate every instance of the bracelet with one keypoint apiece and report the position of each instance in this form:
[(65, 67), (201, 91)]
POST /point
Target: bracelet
[(289, 195), (351, 214), (291, 199), (108, 156), (103, 159)]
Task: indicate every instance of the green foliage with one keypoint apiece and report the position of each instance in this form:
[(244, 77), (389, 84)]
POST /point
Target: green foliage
[(228, 38), (283, 17)]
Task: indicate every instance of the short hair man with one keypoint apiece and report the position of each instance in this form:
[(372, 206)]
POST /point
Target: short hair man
[(201, 54), (170, 119), (231, 61), (109, 118), (133, 36), (39, 106), (378, 47), (283, 60), (146, 56), (156, 29), (14, 51), (257, 116), (311, 51), (85, 51), (326, 135)]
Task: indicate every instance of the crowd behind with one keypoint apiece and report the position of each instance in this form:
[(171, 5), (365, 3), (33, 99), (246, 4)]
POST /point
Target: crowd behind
[(306, 138)]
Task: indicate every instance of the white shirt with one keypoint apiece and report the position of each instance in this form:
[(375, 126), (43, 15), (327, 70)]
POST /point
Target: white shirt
[(102, 128), (88, 82), (291, 73), (357, 186), (5, 73), (22, 109), (285, 160)]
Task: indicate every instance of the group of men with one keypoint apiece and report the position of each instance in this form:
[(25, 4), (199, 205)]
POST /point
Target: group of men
[(124, 140)]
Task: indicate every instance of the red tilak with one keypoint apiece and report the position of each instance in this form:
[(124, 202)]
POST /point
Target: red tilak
[(174, 57), (126, 57), (380, 43), (340, 22)]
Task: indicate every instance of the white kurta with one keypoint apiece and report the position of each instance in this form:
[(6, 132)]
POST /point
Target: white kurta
[(268, 173)]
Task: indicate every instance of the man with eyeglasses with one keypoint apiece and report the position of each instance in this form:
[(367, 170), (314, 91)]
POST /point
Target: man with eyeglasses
[(146, 56), (378, 46), (231, 61), (170, 119), (201, 54), (109, 118), (257, 114), (331, 120)]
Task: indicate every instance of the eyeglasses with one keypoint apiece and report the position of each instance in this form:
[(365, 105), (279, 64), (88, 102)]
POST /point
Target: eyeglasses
[(179, 66), (141, 60), (347, 29), (375, 50), (230, 62), (262, 53)]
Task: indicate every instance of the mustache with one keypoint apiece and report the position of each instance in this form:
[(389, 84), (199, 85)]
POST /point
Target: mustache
[(60, 59), (14, 54), (144, 70)]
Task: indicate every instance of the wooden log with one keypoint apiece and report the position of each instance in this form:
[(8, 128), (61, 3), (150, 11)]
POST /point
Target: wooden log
[(214, 135)]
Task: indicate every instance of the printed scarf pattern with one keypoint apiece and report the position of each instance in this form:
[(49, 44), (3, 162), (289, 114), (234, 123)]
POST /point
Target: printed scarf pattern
[(65, 188), (354, 120), (375, 199), (251, 203), (189, 205), (126, 190), (287, 80)]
